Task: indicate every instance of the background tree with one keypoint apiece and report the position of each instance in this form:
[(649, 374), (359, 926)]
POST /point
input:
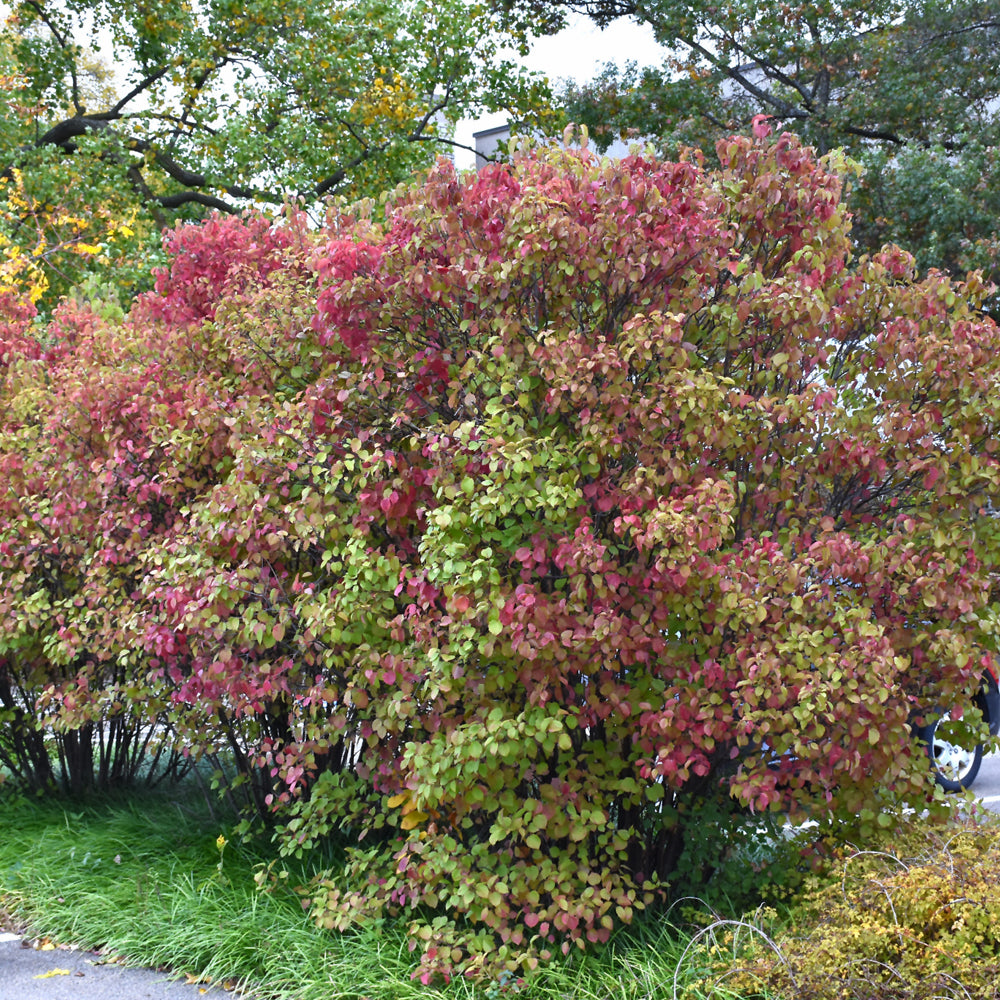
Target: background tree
[(221, 106), (911, 89)]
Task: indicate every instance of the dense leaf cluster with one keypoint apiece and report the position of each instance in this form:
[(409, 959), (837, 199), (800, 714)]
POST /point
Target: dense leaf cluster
[(529, 536), (911, 919)]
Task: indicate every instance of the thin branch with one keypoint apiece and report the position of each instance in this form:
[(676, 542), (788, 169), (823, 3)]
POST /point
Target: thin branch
[(899, 140), (337, 177), (189, 100), (964, 30), (143, 84), (452, 143), (432, 110), (139, 185), (769, 69), (180, 123), (735, 73)]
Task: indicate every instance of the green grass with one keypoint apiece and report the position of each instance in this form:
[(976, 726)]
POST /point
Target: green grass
[(140, 879)]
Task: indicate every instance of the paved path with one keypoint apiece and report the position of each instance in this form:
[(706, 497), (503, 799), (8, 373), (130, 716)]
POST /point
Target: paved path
[(28, 973)]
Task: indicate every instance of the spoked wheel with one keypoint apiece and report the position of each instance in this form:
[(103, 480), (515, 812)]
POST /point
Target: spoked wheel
[(955, 765)]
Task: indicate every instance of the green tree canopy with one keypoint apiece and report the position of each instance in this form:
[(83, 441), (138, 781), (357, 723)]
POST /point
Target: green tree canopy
[(222, 105), (910, 88)]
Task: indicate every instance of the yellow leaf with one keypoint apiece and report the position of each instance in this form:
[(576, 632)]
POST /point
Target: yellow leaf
[(410, 820), (54, 972)]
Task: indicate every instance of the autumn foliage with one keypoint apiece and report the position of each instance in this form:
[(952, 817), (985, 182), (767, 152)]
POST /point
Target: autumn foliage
[(530, 535), (911, 918)]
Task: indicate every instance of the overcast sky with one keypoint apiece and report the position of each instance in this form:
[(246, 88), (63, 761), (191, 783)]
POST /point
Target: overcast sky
[(578, 53)]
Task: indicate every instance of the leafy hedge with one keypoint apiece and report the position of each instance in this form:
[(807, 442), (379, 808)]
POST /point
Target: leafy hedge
[(571, 513)]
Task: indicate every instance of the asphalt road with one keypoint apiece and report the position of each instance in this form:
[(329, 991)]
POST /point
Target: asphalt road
[(29, 973), (987, 783)]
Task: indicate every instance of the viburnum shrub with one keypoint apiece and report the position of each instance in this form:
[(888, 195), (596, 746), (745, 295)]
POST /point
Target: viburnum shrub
[(576, 512), (653, 494), (109, 431)]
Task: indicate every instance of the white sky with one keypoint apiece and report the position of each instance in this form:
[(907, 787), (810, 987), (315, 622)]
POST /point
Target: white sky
[(578, 52)]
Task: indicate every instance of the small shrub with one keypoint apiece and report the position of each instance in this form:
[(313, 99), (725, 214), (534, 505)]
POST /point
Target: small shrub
[(910, 919)]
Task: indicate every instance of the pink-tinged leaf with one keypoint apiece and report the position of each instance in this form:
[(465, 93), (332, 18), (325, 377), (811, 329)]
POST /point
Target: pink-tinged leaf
[(761, 128)]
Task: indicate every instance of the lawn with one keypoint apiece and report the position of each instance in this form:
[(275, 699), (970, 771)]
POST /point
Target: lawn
[(162, 879)]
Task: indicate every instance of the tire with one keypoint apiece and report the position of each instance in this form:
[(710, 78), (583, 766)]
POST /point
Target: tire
[(955, 767)]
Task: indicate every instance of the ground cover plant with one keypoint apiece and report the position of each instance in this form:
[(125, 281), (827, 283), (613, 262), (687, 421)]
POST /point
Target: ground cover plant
[(904, 917), (546, 538)]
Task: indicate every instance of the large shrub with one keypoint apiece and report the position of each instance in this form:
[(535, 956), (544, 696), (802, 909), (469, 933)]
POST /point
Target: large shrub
[(579, 510)]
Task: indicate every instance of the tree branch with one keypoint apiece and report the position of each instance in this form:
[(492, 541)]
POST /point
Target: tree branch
[(141, 188), (734, 73), (432, 109), (195, 198), (61, 133), (964, 30), (189, 100), (65, 131), (770, 70), (337, 177)]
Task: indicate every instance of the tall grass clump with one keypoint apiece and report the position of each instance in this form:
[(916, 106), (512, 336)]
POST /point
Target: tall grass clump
[(162, 879)]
